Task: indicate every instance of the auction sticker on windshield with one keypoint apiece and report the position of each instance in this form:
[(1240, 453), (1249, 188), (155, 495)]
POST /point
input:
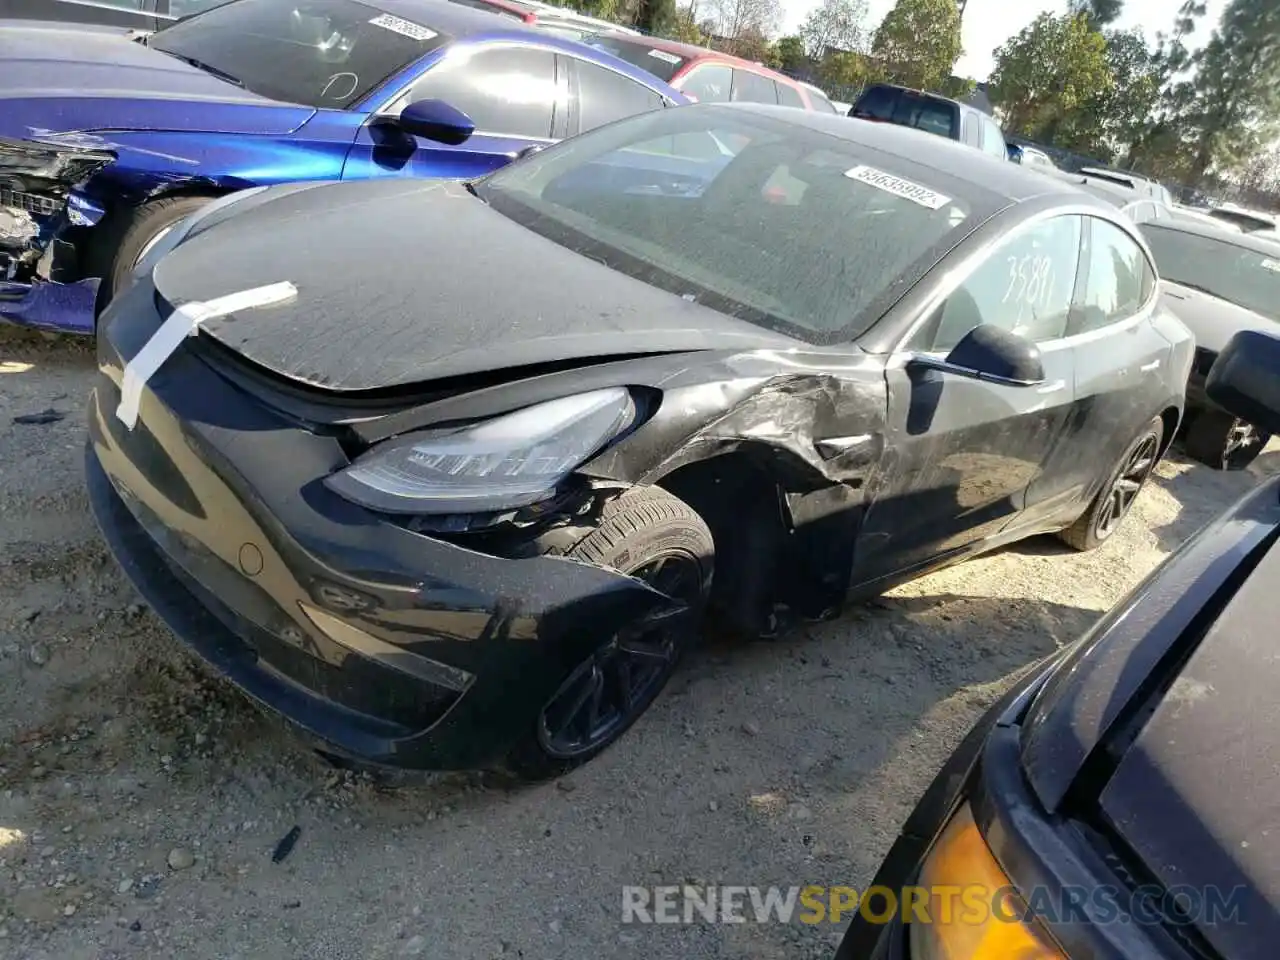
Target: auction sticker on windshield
[(664, 56), (403, 27), (898, 186)]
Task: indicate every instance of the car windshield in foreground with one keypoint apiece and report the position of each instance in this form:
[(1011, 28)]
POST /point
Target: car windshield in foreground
[(772, 222), (322, 53), (1242, 276), (660, 63)]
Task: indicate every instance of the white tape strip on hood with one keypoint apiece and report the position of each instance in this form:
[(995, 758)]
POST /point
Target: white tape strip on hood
[(182, 323)]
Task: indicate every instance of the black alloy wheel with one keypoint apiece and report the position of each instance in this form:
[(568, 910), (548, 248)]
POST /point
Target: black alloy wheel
[(1224, 442), (606, 693), (1116, 499), (1139, 463)]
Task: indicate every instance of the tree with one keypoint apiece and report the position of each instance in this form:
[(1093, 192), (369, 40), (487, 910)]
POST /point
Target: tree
[(657, 16), (918, 42), (751, 44), (1100, 13), (1125, 108), (790, 54), (1236, 104), (845, 70), (835, 25), (1159, 145), (1048, 71), (734, 17)]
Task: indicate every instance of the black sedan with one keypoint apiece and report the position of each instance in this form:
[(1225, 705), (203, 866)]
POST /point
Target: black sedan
[(447, 474), (1120, 801), (1217, 282)]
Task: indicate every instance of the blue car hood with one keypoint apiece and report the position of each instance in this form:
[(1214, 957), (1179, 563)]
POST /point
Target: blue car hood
[(62, 80)]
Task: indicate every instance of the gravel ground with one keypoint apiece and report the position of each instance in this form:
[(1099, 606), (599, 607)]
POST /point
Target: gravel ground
[(140, 802)]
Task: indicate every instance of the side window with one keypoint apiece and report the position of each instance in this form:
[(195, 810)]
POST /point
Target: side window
[(1118, 278), (1024, 286), (789, 96), (605, 96), (753, 88), (509, 91), (708, 83), (993, 138)]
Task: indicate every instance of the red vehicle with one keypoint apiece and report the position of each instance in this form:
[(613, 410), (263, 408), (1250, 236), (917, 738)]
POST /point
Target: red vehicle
[(705, 75)]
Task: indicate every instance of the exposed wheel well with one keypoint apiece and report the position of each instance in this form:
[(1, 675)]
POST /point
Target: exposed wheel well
[(740, 503)]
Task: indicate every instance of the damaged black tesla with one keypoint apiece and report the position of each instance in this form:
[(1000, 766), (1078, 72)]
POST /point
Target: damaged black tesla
[(450, 475)]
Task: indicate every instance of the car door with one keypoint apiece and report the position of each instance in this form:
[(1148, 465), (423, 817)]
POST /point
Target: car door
[(961, 452), (1120, 356), (599, 95), (512, 94)]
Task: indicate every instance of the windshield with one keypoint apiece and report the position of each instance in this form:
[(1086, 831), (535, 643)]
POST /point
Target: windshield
[(766, 220), (661, 64), (322, 53), (1245, 277)]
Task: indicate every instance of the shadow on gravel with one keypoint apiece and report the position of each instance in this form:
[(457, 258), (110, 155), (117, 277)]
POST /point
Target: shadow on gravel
[(1202, 493)]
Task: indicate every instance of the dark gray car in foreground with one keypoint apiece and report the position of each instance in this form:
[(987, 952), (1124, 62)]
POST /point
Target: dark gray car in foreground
[(453, 473), (1121, 800), (1218, 282)]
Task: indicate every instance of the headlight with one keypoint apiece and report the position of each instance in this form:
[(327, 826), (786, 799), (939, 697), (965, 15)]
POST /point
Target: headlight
[(178, 232), (507, 462), (970, 913)]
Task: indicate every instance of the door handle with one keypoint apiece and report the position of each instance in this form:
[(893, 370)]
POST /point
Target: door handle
[(1052, 387), (1148, 367)]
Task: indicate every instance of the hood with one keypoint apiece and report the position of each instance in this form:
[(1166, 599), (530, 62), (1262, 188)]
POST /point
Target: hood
[(62, 79), (1211, 319), (1197, 795), (401, 282)]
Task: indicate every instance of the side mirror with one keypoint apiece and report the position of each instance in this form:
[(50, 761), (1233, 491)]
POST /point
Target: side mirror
[(436, 120), (1245, 379), (992, 354), (1014, 151)]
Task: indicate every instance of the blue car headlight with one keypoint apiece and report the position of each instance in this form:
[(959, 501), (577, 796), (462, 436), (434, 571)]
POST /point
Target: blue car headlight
[(178, 232), (510, 461)]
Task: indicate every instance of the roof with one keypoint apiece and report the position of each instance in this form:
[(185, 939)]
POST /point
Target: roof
[(1006, 180), (1268, 246), (465, 22), (691, 52)]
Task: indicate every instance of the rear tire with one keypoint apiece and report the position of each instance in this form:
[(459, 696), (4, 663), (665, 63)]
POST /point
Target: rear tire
[(1219, 440), (646, 532), (1116, 498), (121, 242)]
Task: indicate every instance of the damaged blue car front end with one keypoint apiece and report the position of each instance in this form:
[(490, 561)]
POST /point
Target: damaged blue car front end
[(41, 207)]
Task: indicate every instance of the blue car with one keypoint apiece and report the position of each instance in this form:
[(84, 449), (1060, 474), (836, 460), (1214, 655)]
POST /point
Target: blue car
[(107, 141)]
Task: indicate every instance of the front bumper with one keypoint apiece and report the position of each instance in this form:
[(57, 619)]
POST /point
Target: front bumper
[(387, 645), (56, 307)]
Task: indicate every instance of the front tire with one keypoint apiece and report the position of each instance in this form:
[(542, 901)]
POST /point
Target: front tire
[(650, 534), (129, 234), (1116, 498), (1219, 440)]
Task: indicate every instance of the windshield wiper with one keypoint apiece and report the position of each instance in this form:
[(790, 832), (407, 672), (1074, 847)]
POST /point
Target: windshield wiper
[(201, 65)]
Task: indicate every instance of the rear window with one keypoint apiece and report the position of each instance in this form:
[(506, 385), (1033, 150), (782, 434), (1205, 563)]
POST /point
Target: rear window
[(322, 53), (661, 64), (765, 220), (1220, 268), (908, 109)]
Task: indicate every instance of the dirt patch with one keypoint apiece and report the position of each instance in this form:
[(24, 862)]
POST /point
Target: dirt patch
[(141, 800)]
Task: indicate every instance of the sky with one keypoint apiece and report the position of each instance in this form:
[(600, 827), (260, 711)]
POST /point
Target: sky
[(989, 23)]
